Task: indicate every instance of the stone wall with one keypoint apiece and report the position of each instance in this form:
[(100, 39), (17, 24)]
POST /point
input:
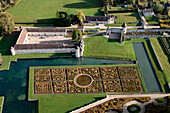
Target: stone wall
[(60, 50), (47, 33)]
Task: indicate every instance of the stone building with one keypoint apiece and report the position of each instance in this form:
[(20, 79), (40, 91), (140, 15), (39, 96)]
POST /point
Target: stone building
[(100, 19), (45, 40), (148, 12)]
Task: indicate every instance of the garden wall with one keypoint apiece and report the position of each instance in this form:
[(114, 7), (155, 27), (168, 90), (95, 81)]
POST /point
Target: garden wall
[(61, 50), (155, 55)]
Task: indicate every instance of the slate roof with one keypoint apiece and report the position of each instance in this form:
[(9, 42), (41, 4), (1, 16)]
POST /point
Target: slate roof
[(98, 18), (40, 46)]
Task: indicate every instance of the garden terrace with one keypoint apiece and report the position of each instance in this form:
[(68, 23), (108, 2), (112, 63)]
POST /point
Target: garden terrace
[(87, 80)]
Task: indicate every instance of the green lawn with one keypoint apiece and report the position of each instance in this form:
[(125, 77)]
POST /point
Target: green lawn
[(1, 103), (68, 102), (151, 20), (164, 59), (31, 10), (126, 17), (102, 47)]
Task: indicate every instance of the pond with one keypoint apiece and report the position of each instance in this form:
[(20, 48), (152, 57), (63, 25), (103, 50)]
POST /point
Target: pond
[(14, 83), (146, 68)]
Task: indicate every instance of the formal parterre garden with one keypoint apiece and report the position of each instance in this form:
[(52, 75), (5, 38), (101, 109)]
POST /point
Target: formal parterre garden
[(115, 105), (112, 79)]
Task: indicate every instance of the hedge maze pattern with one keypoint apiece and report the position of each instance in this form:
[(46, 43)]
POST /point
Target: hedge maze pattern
[(120, 79)]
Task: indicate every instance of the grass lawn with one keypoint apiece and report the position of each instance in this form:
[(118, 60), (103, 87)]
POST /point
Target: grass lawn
[(126, 17), (151, 20), (65, 103), (1, 103), (164, 59), (31, 10), (102, 47)]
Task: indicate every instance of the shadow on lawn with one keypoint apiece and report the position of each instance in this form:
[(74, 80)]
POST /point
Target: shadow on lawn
[(96, 99), (7, 41), (86, 4)]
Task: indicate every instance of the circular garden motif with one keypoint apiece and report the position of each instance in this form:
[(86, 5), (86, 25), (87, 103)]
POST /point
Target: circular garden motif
[(134, 108), (83, 80)]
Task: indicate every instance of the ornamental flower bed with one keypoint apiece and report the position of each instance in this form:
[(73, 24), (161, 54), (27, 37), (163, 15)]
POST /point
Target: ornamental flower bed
[(132, 89), (75, 89), (72, 72), (42, 75), (109, 73), (60, 87), (96, 87), (94, 72), (58, 74), (75, 80), (42, 71), (128, 72), (112, 86), (130, 82), (115, 105), (43, 88)]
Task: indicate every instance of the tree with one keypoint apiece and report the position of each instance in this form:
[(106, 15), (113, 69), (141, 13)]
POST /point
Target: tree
[(1, 7), (76, 34), (6, 23), (80, 16), (168, 11), (105, 2), (158, 7)]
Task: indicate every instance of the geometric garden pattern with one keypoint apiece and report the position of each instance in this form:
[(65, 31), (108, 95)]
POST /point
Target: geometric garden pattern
[(113, 79)]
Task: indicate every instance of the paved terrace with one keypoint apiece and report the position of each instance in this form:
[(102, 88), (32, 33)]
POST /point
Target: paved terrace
[(110, 97), (48, 39)]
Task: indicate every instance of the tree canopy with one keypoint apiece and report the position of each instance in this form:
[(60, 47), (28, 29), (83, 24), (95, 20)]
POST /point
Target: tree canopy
[(6, 23), (76, 34), (80, 16)]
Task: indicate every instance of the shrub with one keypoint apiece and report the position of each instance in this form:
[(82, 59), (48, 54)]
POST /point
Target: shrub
[(76, 35)]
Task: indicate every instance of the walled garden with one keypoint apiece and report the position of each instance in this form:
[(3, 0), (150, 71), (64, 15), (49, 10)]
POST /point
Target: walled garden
[(87, 80)]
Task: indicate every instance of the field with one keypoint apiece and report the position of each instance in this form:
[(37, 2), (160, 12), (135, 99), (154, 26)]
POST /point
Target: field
[(64, 102), (102, 47), (31, 10)]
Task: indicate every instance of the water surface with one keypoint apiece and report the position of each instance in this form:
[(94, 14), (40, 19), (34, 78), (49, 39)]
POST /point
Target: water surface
[(14, 83)]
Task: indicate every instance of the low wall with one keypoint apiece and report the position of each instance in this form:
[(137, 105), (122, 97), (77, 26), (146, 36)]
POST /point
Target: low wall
[(61, 50), (155, 55), (149, 30), (141, 36)]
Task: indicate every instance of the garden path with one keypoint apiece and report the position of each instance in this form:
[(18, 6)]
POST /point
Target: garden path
[(110, 97)]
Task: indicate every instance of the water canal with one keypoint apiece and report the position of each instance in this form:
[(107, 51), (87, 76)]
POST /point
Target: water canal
[(146, 68), (13, 83)]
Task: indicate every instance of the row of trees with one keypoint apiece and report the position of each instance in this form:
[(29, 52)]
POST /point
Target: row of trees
[(115, 2)]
